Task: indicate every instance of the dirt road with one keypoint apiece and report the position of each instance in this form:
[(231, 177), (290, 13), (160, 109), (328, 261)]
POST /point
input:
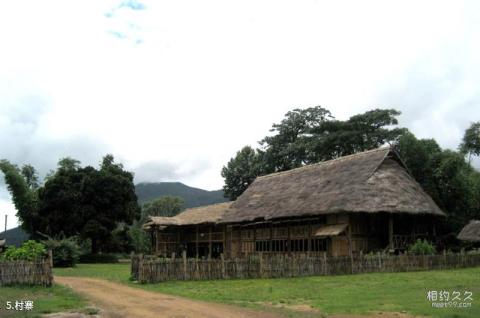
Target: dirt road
[(117, 300)]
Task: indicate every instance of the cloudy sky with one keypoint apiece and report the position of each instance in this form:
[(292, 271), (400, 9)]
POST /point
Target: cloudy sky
[(174, 88)]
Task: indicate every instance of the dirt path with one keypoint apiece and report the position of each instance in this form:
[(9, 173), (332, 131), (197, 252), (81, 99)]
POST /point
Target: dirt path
[(117, 300)]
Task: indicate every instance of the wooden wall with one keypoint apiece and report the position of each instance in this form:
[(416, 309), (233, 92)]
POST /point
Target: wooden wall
[(366, 232)]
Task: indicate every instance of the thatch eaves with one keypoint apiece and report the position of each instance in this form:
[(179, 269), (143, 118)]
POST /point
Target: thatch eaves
[(201, 215), (372, 181), (471, 232)]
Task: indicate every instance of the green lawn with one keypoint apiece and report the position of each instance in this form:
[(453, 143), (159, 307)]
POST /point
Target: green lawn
[(333, 294), (45, 300)]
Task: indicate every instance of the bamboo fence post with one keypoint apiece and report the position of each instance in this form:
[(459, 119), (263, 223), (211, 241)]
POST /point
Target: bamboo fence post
[(379, 262), (140, 267), (50, 257), (325, 263), (184, 258), (360, 268), (444, 258), (462, 254), (261, 265), (222, 257)]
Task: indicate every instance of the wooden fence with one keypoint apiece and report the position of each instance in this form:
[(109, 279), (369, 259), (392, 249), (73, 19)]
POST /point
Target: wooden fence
[(28, 273), (275, 266)]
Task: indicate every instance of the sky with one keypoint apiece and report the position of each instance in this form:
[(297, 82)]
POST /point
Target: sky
[(174, 88)]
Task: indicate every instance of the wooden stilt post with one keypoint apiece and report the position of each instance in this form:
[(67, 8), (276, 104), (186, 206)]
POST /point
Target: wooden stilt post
[(196, 241), (254, 240), (229, 241), (289, 242), (209, 242), (350, 247), (224, 247), (240, 242), (390, 231), (270, 242), (309, 241)]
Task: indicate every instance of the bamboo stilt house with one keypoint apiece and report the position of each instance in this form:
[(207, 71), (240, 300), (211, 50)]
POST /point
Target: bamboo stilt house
[(471, 232), (358, 203)]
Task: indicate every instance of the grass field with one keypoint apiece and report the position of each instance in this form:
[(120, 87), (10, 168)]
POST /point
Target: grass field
[(333, 294), (45, 300)]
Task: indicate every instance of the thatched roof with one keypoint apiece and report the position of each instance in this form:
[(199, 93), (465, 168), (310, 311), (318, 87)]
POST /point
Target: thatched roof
[(372, 181), (471, 232), (201, 215)]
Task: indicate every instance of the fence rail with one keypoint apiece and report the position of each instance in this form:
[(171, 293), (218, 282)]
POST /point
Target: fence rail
[(28, 273), (276, 266)]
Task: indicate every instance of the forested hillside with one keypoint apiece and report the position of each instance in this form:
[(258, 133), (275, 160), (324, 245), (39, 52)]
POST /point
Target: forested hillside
[(15, 236), (193, 197)]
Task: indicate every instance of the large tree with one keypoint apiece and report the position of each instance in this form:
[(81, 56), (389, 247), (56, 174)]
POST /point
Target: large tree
[(336, 138), (164, 206), (308, 136), (25, 196), (241, 170), (471, 140), (73, 200), (452, 183), (287, 147)]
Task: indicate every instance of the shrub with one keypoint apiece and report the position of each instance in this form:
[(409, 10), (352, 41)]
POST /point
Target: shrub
[(422, 248), (98, 258), (65, 251), (29, 251)]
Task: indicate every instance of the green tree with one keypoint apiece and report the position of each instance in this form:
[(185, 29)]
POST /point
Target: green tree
[(336, 138), (74, 200), (31, 176), (287, 147), (25, 198), (451, 182), (139, 237), (240, 171), (471, 140), (308, 136), (163, 206)]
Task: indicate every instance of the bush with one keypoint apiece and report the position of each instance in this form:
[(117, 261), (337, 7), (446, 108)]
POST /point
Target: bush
[(422, 248), (29, 251), (65, 251), (98, 258)]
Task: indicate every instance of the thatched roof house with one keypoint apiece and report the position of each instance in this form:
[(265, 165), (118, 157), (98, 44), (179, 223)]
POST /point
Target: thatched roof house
[(371, 181), (347, 196), (471, 232)]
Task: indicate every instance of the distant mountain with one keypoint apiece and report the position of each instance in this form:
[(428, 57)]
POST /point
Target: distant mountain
[(193, 197), (15, 236)]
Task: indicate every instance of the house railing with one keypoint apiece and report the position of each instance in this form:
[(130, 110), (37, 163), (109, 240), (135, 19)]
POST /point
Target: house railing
[(402, 242), (275, 266)]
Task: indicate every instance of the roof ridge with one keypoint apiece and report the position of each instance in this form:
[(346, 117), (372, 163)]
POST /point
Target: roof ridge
[(320, 163), (203, 206)]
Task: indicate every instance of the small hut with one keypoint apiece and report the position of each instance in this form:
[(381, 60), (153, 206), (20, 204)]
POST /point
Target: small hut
[(2, 244), (471, 232), (353, 204)]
